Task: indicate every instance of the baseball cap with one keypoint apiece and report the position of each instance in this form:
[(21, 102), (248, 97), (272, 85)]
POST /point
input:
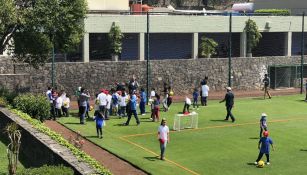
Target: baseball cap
[(228, 88)]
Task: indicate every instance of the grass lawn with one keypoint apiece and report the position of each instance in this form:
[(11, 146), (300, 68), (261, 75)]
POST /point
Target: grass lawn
[(216, 147), (3, 159)]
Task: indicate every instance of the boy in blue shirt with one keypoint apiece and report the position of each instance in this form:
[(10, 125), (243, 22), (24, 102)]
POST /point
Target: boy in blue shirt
[(195, 98), (265, 143), (142, 101), (99, 118)]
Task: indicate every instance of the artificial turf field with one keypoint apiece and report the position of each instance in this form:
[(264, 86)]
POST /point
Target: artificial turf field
[(217, 147)]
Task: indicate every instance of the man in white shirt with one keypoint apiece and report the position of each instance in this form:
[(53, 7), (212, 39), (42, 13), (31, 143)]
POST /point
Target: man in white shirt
[(204, 94), (163, 136)]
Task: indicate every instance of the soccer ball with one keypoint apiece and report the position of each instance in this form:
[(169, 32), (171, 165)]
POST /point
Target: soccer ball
[(261, 164)]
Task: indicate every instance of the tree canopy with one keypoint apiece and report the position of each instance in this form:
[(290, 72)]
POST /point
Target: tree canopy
[(29, 29)]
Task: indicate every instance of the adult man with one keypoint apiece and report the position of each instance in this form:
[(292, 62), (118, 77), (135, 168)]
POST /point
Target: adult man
[(266, 82), (102, 98), (229, 98), (84, 96), (133, 85), (51, 99)]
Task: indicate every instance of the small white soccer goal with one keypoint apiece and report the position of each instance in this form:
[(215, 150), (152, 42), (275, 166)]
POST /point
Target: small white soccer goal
[(182, 121)]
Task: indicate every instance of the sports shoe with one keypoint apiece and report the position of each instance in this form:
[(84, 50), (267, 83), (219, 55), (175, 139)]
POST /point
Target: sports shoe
[(256, 163), (268, 163)]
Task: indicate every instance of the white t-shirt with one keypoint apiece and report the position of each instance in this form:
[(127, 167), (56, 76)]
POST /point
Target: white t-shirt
[(188, 101), (163, 132), (152, 94), (109, 99), (102, 97), (59, 103), (122, 100), (205, 90)]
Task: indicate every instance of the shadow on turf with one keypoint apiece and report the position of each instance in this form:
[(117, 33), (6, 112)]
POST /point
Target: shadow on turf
[(254, 138), (72, 123), (152, 158), (221, 120), (251, 164), (303, 149)]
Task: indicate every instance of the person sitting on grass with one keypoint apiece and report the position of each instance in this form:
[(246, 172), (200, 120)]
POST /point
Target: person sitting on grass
[(265, 143), (263, 124), (99, 118), (163, 137)]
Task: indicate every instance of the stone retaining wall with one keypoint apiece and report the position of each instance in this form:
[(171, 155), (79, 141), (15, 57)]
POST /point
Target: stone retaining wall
[(183, 74), (39, 149)]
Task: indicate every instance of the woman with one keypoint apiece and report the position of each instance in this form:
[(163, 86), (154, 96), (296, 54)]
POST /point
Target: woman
[(163, 136)]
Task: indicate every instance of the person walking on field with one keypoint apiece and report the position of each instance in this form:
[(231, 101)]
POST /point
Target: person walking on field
[(266, 82), (265, 143), (263, 123), (163, 137), (229, 98)]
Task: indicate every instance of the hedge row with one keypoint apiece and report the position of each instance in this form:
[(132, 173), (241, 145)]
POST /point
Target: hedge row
[(277, 12), (58, 138)]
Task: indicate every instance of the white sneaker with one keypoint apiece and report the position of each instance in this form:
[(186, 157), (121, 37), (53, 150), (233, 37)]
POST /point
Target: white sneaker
[(268, 163), (143, 114), (256, 163)]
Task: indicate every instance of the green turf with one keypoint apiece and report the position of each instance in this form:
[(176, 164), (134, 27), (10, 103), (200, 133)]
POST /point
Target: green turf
[(211, 150), (3, 159)]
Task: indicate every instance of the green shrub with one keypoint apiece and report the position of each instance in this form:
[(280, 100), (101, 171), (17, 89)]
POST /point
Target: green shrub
[(277, 12), (36, 106), (47, 170), (3, 102), (82, 156), (8, 95)]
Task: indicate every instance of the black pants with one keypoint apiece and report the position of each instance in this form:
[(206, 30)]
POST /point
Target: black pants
[(135, 116), (186, 108), (203, 101), (229, 114), (99, 130), (260, 156)]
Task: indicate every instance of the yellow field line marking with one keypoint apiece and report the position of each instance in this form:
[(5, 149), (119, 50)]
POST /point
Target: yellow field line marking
[(148, 150), (218, 126)]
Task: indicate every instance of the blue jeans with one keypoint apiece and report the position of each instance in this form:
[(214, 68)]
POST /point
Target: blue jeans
[(162, 148), (142, 107)]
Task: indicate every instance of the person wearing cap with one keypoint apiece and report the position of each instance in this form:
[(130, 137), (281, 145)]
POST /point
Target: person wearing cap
[(163, 137), (229, 98), (266, 82), (263, 123), (102, 99), (264, 147)]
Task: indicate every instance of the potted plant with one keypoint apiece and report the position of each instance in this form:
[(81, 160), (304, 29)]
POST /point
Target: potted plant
[(207, 47), (252, 36), (115, 37)]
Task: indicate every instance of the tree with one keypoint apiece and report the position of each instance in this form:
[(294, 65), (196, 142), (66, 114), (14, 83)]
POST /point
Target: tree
[(30, 28), (252, 35), (207, 47), (115, 37)]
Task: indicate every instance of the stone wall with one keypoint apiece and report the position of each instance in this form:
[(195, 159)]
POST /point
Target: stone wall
[(184, 74), (39, 149)]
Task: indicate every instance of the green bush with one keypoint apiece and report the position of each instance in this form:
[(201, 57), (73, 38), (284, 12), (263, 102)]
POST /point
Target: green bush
[(47, 170), (36, 106), (3, 102), (82, 156), (277, 12), (8, 95)]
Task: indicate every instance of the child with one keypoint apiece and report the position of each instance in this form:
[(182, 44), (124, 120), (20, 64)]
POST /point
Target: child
[(195, 98), (114, 106), (142, 101), (186, 108), (66, 105), (156, 108), (263, 123), (123, 103), (99, 118), (265, 142), (163, 137), (152, 93)]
